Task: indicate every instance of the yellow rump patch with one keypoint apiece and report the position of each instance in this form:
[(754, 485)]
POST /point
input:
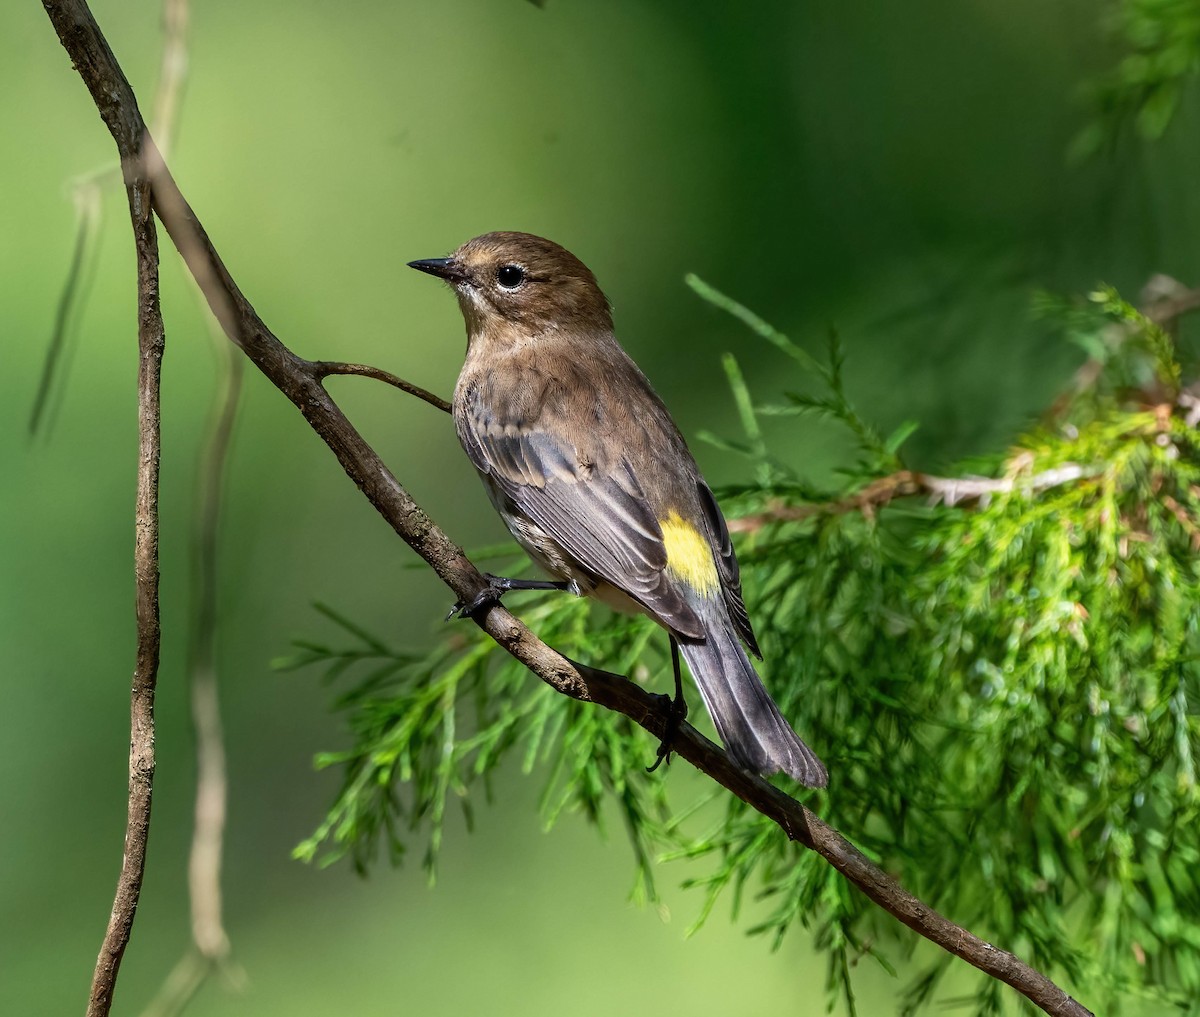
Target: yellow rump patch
[(689, 556)]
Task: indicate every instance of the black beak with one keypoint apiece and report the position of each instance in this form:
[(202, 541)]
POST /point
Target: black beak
[(443, 268)]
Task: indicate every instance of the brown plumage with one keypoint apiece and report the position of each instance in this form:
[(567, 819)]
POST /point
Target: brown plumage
[(586, 467)]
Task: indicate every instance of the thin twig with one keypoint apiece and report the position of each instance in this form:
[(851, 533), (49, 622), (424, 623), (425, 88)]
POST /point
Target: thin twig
[(180, 986), (324, 368), (1164, 301), (87, 212), (209, 950), (204, 864), (172, 73), (87, 191), (949, 491), (145, 674), (300, 381)]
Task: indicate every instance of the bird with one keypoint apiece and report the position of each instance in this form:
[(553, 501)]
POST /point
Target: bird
[(591, 475)]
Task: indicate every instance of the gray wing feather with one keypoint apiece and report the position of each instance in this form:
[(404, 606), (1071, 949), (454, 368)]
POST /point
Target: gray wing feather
[(727, 566), (602, 522)]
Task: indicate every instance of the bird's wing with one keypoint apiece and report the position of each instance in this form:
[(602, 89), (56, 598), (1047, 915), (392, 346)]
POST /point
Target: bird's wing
[(602, 520), (727, 566)]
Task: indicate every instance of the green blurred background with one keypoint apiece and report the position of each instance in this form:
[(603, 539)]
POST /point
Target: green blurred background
[(899, 171)]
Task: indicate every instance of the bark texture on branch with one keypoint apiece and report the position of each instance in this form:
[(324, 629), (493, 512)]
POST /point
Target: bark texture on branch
[(145, 674), (300, 380)]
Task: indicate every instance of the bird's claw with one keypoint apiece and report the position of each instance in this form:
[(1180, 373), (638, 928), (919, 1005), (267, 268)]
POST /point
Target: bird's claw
[(489, 596), (497, 586), (675, 718)]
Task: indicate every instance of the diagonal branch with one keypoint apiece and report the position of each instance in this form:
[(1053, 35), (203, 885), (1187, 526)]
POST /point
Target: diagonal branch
[(300, 381)]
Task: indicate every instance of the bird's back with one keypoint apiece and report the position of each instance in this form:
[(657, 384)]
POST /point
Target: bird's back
[(589, 389)]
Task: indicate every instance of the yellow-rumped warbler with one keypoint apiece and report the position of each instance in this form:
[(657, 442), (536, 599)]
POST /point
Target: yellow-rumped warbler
[(588, 470)]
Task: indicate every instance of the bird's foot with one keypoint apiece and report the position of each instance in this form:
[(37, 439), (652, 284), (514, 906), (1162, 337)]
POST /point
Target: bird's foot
[(675, 718), (495, 588)]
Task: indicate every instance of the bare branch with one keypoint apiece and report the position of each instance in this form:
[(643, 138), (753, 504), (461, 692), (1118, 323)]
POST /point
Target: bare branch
[(945, 490), (210, 943), (204, 864), (209, 950), (300, 381), (145, 674), (324, 368)]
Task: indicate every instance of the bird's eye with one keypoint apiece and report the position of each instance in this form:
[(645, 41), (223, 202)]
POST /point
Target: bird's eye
[(510, 276)]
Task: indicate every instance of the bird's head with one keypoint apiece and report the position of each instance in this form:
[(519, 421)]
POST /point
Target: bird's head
[(514, 286)]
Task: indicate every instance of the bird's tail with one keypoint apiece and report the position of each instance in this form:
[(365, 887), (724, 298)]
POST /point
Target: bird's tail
[(747, 719)]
